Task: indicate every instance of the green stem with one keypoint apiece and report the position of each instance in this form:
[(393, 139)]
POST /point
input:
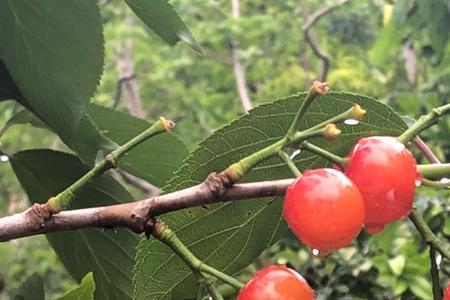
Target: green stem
[(289, 163), (323, 153), (314, 91), (63, 199), (213, 292), (434, 271), (428, 236), (435, 184), (222, 276), (434, 171), (355, 112), (163, 233), (237, 171), (423, 123)]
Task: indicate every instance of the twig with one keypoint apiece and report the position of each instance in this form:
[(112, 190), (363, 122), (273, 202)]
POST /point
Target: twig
[(428, 236), (63, 199), (126, 70), (119, 86), (311, 39), (134, 215), (239, 73), (423, 123), (434, 271), (426, 151), (163, 233), (149, 189)]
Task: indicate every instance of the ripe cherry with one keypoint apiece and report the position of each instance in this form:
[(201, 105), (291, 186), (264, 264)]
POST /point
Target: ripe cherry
[(385, 173), (276, 283), (324, 209), (447, 293)]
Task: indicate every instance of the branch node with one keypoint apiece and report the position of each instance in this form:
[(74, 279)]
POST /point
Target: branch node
[(38, 214), (358, 112), (150, 227), (320, 87), (167, 124), (111, 161), (331, 131), (218, 183)]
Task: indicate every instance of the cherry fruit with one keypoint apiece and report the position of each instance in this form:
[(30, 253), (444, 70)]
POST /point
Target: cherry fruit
[(324, 209), (447, 293), (276, 283), (385, 172)]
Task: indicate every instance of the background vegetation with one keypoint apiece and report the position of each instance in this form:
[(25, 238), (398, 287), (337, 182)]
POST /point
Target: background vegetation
[(396, 51)]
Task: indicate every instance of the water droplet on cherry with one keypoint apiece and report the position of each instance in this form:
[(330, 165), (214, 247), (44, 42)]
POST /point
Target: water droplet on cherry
[(320, 253)]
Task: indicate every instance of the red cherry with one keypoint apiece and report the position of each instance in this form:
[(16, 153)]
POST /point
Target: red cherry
[(324, 209), (447, 293), (385, 173), (276, 283)]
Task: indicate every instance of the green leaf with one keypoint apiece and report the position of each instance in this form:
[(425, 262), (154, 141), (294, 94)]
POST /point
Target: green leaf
[(400, 287), (155, 160), (85, 291), (230, 236), (160, 16), (8, 89), (23, 117), (397, 264), (421, 288), (109, 254), (102, 129), (31, 289), (54, 55)]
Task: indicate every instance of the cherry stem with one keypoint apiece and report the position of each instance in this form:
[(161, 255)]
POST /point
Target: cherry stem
[(436, 184), (428, 236), (63, 199), (317, 88), (286, 159), (238, 170), (434, 272), (213, 292), (434, 171), (426, 151), (324, 153), (423, 123), (355, 112), (164, 234)]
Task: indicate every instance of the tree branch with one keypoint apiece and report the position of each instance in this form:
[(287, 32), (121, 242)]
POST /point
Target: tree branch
[(311, 39), (135, 215), (126, 71), (239, 73)]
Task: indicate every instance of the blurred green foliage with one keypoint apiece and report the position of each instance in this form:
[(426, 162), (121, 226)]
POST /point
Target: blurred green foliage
[(397, 51)]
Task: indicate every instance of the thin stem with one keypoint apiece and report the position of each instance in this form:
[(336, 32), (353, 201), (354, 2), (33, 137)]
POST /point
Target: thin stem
[(317, 88), (163, 233), (428, 236), (426, 151), (434, 271), (434, 171), (323, 153), (285, 157), (213, 292), (237, 170), (436, 184), (355, 112), (222, 276), (423, 123), (62, 200)]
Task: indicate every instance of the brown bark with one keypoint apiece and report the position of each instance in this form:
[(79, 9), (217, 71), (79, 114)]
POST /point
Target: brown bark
[(135, 215)]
